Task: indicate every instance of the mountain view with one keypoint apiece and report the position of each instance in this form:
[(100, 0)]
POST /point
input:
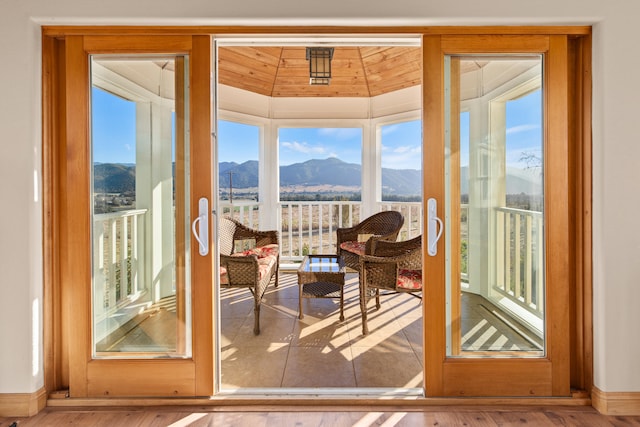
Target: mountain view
[(325, 177), (115, 178), (120, 178), (329, 175)]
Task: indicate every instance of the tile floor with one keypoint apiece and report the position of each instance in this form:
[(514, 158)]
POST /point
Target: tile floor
[(322, 351), (319, 350)]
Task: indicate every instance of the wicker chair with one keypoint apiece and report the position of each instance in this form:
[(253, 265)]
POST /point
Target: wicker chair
[(395, 267), (384, 225), (248, 259)]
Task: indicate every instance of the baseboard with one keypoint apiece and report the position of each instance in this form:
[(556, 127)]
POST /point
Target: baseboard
[(22, 404), (616, 403)]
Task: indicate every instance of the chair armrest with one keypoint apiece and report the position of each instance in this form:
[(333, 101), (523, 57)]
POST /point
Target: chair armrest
[(407, 254), (393, 248), (372, 243)]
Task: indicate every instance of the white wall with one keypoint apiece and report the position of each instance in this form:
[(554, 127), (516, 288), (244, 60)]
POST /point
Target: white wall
[(616, 148)]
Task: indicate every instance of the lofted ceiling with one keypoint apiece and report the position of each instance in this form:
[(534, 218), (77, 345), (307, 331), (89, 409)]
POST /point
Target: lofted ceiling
[(284, 71)]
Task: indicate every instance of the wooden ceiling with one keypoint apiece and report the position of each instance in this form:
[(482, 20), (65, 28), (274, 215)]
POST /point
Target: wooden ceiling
[(284, 71)]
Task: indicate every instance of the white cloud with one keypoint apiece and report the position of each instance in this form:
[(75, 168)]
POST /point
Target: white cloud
[(340, 133), (387, 130), (303, 147), (406, 149), (403, 157), (522, 128)]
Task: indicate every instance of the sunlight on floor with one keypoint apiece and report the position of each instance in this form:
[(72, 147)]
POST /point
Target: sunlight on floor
[(377, 419), (188, 420), (322, 351)]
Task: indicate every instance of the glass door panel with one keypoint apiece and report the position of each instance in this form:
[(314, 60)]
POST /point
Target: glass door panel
[(494, 217), (141, 287)]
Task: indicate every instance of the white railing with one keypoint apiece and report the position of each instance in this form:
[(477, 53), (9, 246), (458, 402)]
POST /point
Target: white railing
[(245, 211), (310, 226), (519, 258), (412, 212), (118, 263), (464, 242)]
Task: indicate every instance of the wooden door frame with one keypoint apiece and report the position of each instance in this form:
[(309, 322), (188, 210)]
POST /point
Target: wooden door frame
[(68, 252), (550, 375), (56, 181)]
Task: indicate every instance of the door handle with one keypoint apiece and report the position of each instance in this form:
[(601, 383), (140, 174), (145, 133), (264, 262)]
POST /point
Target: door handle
[(434, 227), (200, 226)]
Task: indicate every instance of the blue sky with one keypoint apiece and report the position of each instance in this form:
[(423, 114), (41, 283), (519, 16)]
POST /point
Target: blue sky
[(524, 128), (523, 133), (113, 128), (301, 144), (401, 144), (113, 132)]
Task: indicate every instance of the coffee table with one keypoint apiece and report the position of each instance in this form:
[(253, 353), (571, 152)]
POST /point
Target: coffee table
[(322, 276)]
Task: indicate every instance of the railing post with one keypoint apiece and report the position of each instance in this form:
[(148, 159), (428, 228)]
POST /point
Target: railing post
[(134, 254), (111, 292), (516, 267), (310, 229), (540, 275), (124, 254), (500, 251), (98, 273), (330, 216), (528, 264)]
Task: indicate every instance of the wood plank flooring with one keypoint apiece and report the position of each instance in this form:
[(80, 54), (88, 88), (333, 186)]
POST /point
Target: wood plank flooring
[(329, 417)]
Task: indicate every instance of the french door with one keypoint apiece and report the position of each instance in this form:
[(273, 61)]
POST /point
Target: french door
[(124, 258), (496, 173), (138, 288)]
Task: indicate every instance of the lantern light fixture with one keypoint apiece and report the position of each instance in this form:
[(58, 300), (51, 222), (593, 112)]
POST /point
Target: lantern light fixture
[(319, 65)]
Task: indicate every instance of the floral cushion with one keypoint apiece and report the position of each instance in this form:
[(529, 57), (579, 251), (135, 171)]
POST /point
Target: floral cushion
[(410, 279), (354, 247), (224, 277), (268, 250), (261, 251)]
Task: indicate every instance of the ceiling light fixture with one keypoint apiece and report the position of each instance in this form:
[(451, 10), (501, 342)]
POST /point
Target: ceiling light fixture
[(319, 65)]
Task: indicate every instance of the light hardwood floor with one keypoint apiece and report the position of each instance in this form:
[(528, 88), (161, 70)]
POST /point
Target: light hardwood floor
[(327, 417)]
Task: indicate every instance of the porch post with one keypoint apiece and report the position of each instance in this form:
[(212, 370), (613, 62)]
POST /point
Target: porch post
[(371, 170), (269, 173), (153, 192)]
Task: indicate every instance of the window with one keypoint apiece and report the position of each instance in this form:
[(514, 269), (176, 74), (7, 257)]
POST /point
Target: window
[(524, 152), (401, 159), (238, 151), (113, 128), (320, 163)]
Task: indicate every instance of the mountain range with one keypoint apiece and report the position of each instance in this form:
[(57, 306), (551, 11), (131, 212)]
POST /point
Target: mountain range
[(322, 172), (120, 178)]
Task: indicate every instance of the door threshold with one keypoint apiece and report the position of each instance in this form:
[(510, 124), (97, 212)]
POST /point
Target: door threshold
[(318, 402), (322, 392)]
